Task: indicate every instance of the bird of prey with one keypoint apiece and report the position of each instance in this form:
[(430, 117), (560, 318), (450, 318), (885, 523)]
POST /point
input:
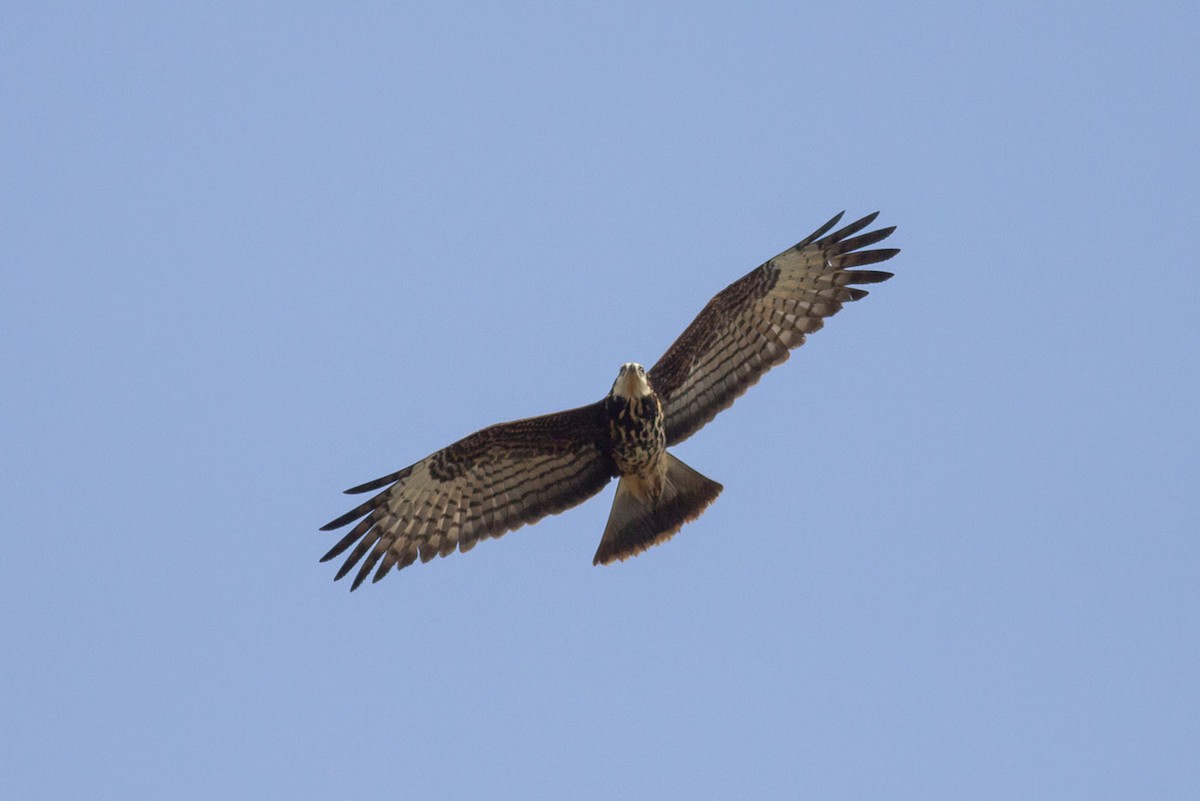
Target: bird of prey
[(510, 474)]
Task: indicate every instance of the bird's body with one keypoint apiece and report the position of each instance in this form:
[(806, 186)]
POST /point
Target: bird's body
[(510, 474), (635, 423), (656, 493)]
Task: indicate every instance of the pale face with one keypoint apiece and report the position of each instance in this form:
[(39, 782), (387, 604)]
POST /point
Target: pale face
[(631, 382)]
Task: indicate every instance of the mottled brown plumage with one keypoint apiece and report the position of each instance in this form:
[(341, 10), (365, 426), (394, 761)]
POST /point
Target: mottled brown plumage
[(510, 474), (752, 324), (482, 486)]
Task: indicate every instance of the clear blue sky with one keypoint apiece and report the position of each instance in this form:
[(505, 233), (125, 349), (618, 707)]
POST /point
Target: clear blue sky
[(255, 254)]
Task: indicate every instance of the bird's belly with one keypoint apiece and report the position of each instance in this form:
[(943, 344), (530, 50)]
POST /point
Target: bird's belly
[(637, 435), (638, 458), (639, 449)]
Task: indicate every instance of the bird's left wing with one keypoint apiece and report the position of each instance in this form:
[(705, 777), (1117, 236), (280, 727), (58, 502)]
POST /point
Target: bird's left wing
[(752, 324), (484, 485)]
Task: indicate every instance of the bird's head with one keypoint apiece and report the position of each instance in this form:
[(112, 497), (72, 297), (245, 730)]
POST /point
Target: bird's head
[(631, 382)]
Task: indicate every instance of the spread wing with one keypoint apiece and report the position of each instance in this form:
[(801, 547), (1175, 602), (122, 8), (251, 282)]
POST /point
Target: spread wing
[(751, 325), (484, 485)]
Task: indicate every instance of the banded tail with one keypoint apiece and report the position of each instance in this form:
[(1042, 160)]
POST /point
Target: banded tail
[(636, 523)]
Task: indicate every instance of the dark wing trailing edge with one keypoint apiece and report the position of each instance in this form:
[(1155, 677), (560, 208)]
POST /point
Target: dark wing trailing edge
[(484, 485), (752, 324)]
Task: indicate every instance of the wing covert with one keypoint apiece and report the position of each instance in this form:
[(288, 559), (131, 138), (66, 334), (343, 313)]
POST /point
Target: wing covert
[(491, 482), (754, 323)]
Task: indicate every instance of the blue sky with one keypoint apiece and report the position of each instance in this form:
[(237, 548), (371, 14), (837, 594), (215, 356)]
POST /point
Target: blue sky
[(255, 254)]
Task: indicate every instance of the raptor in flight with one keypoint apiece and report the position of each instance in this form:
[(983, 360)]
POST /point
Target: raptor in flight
[(510, 474)]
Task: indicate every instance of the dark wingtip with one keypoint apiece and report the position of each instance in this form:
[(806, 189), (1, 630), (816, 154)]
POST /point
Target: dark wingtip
[(864, 240), (370, 485), (862, 258), (381, 482), (841, 237), (349, 517), (342, 571), (867, 276), (820, 232)]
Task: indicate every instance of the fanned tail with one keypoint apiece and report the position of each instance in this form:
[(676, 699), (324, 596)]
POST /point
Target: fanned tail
[(635, 524)]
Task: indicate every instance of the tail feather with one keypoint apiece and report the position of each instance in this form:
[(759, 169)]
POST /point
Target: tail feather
[(635, 523)]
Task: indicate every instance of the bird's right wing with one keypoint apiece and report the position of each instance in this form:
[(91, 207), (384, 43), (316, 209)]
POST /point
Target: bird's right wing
[(484, 485)]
